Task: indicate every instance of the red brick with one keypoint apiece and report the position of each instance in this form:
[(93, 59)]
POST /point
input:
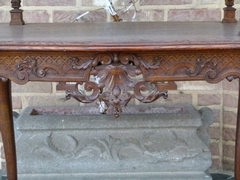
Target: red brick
[(144, 15), (49, 3), (4, 16), (92, 3), (121, 2), (194, 14), (238, 13), (16, 102), (214, 148), (50, 101), (5, 3), (64, 16), (209, 99), (214, 132), (229, 134), (203, 2), (198, 85), (32, 87), (230, 100), (36, 16), (70, 16), (229, 151), (229, 117), (102, 3), (228, 164), (217, 115), (166, 2), (175, 99), (232, 86), (215, 164)]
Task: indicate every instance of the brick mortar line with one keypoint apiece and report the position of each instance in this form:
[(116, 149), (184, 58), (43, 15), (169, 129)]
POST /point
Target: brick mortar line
[(215, 107), (63, 8), (24, 102), (5, 7), (215, 124), (215, 157), (214, 140), (231, 109), (50, 15), (228, 158), (54, 87), (229, 126), (229, 143), (30, 94), (196, 91), (181, 6), (194, 1), (78, 3), (165, 14), (194, 99), (230, 92), (215, 91)]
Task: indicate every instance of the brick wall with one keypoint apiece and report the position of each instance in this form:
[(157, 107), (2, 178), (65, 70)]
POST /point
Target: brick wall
[(221, 97)]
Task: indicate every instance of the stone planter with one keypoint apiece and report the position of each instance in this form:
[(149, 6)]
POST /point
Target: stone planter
[(80, 144)]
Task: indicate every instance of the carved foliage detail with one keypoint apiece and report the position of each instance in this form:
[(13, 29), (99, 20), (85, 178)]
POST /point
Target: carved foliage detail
[(45, 67), (29, 67), (114, 77), (211, 72)]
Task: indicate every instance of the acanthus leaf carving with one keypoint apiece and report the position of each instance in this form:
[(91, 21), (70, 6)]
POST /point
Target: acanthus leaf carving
[(114, 77), (80, 95), (30, 67), (153, 94), (200, 64), (205, 68)]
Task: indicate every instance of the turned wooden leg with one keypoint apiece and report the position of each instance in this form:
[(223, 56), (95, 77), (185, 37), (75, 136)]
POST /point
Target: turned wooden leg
[(229, 12), (6, 127), (237, 146)]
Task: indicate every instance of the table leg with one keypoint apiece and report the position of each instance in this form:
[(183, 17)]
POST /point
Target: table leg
[(237, 146), (6, 127)]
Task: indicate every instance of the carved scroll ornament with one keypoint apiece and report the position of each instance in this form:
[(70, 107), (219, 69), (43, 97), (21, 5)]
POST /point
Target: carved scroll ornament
[(116, 78), (115, 75)]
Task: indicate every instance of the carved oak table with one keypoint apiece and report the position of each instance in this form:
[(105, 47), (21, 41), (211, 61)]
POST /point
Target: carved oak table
[(116, 53)]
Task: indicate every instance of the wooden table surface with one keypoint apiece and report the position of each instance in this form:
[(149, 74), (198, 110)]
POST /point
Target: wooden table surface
[(161, 35), (159, 51)]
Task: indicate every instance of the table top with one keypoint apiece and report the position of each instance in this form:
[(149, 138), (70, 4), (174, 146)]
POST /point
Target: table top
[(120, 36)]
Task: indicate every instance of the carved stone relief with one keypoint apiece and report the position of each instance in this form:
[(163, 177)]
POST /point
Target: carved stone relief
[(156, 143)]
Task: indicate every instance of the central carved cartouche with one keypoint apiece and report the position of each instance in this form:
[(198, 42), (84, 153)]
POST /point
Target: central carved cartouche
[(115, 75)]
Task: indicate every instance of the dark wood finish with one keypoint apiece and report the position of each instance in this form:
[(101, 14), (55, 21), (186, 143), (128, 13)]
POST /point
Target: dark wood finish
[(229, 12), (237, 144), (158, 51), (6, 127), (16, 13)]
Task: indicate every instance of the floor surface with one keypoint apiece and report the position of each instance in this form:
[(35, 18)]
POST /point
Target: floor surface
[(221, 177), (215, 176)]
